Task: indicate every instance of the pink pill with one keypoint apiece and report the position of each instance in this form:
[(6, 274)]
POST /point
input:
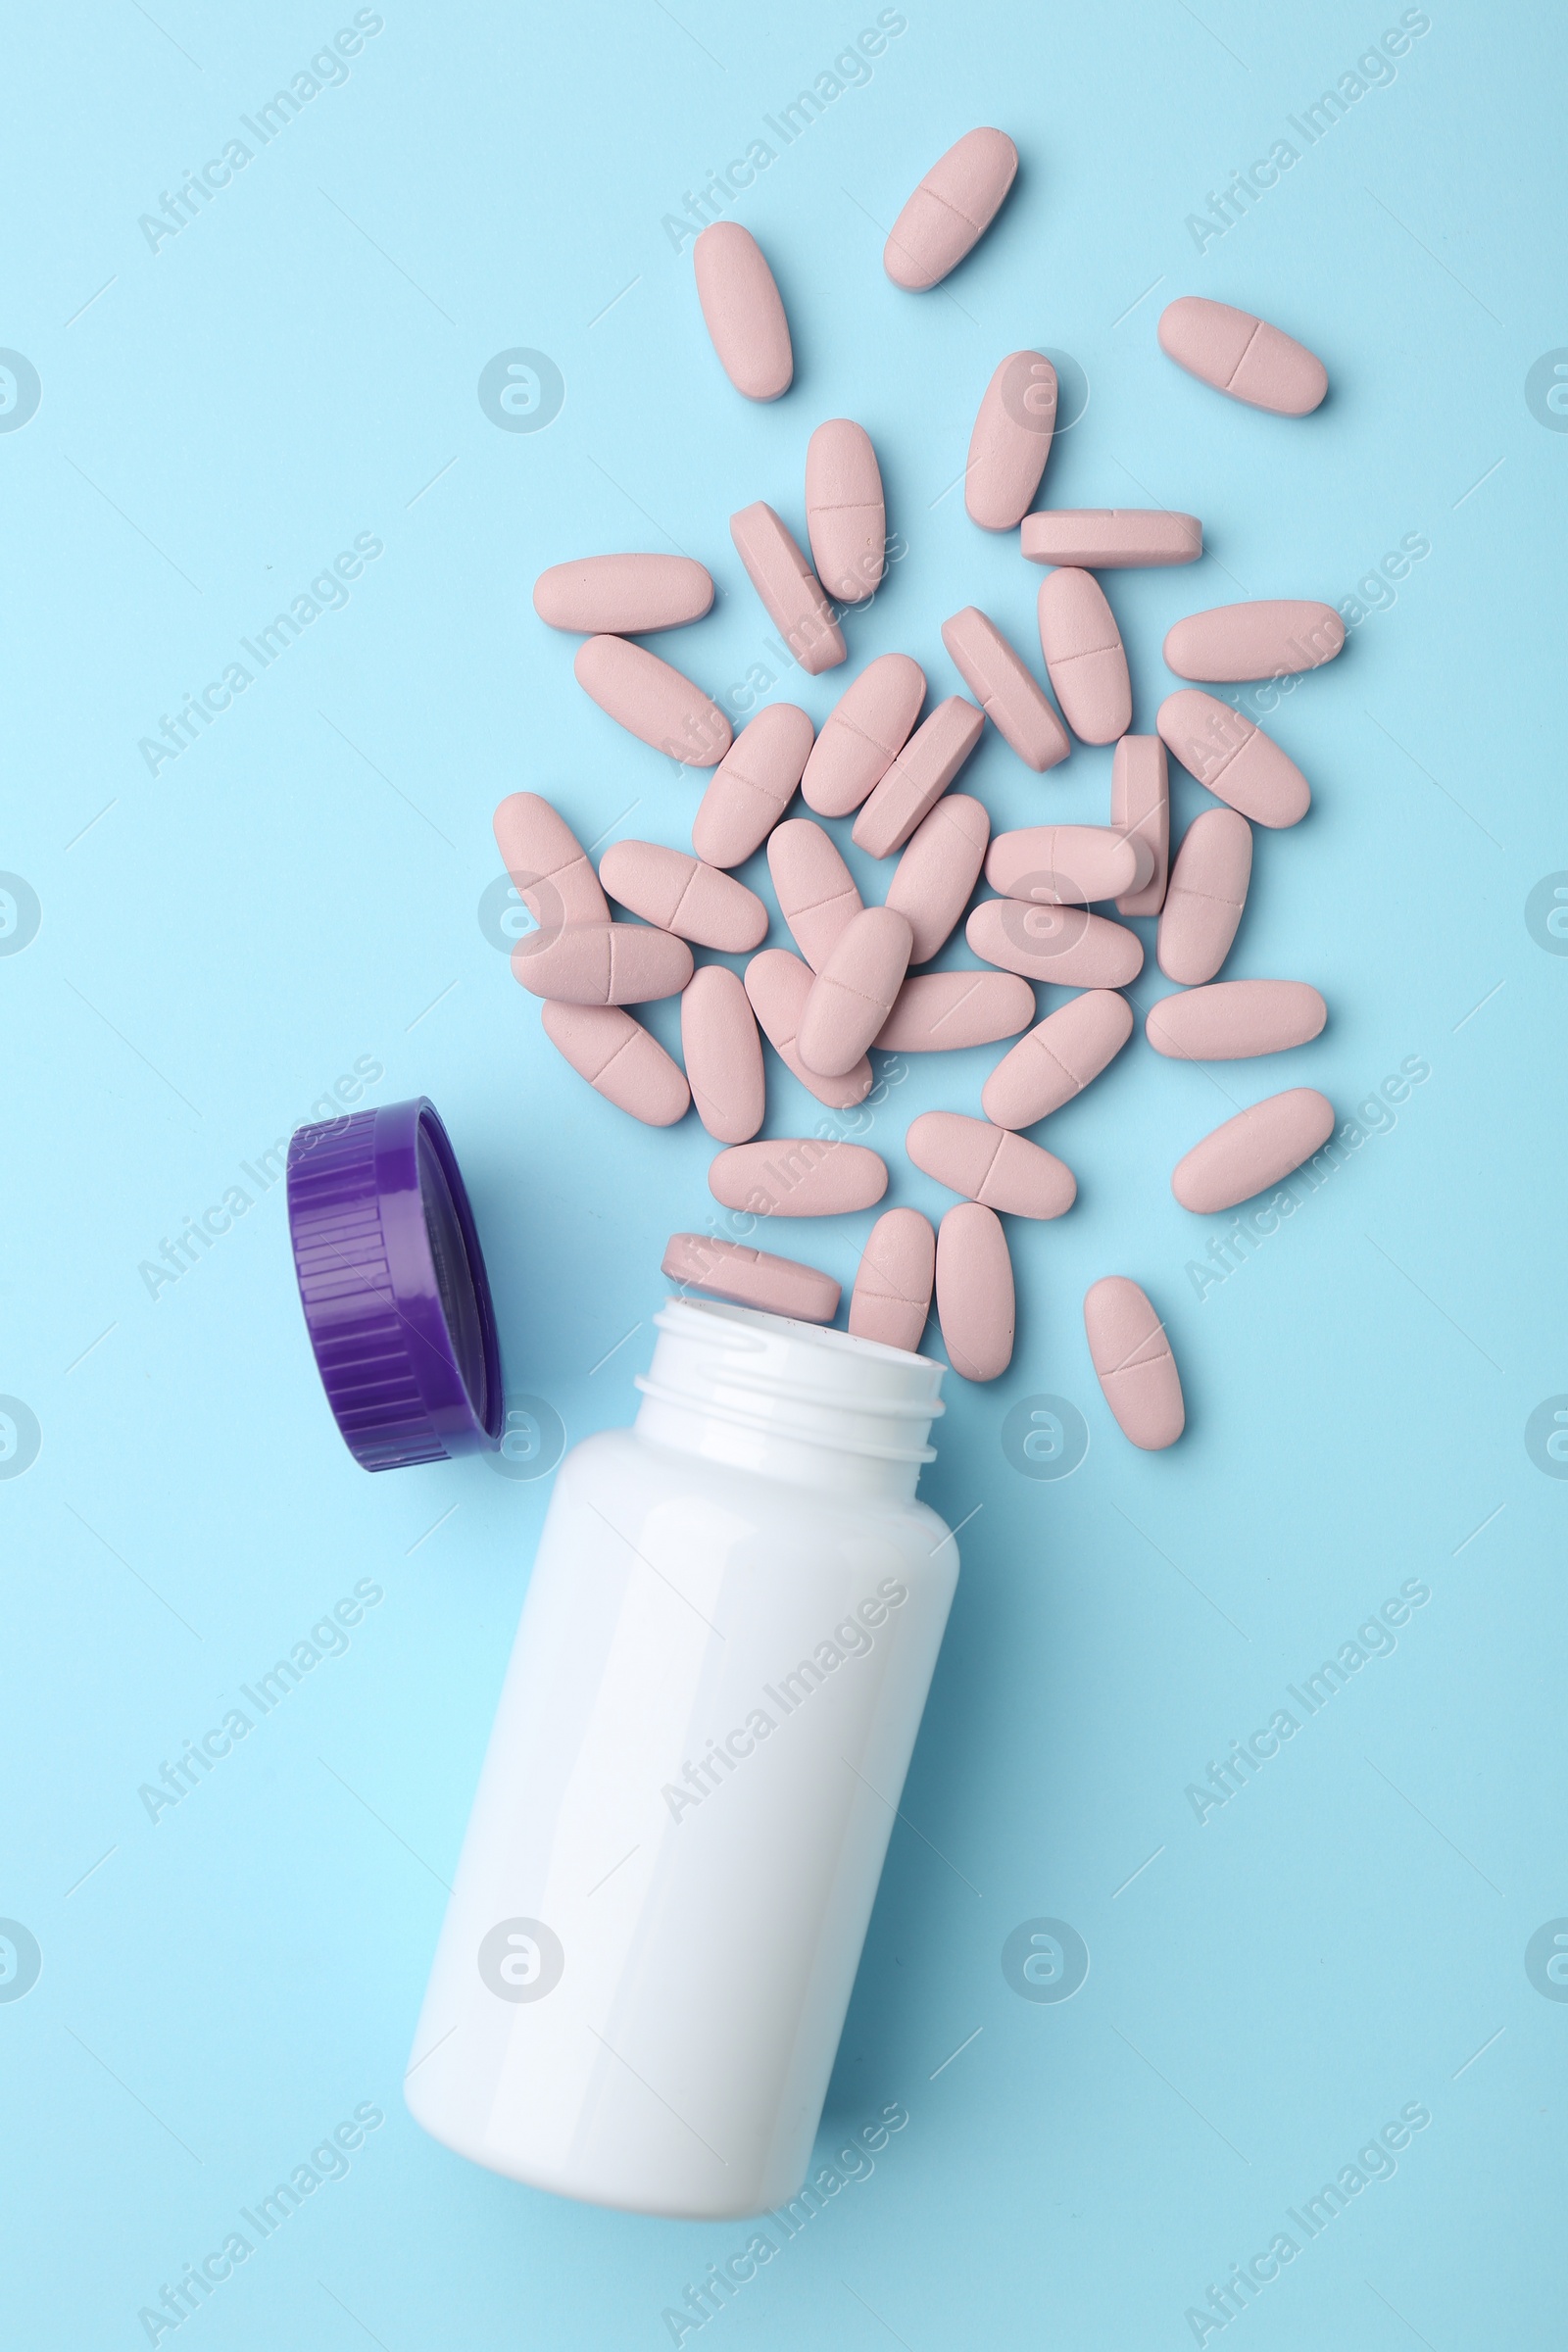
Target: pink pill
[(1133, 1363), (752, 786), (854, 992), (1062, 945), (892, 1294), (1254, 1149), (846, 518), (939, 868), (548, 865), (1065, 866), (681, 894), (1207, 893), (750, 1277), (1084, 657), (1242, 355), (742, 311), (1273, 638), (991, 1165), (798, 1176), (652, 700), (790, 590), (620, 1060), (951, 209), (1000, 683), (1056, 1060), (975, 1298), (1010, 441), (1235, 760), (723, 1054), (621, 595), (918, 776), (777, 985), (864, 734), (601, 964), (1110, 538), (1232, 1020), (943, 1012), (1140, 807), (817, 893)]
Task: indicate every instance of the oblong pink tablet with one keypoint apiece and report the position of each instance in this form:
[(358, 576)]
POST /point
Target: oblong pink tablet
[(990, 1164), (798, 1176), (1065, 866), (1084, 656), (918, 778), (943, 1013), (951, 209), (1110, 538), (1207, 893), (652, 700), (681, 894), (1232, 1020), (791, 592), (1242, 355), (1272, 638), (817, 893), (548, 865), (1236, 760), (846, 516), (742, 311), (777, 985), (854, 992), (939, 868), (601, 964), (723, 1054), (1010, 441), (1133, 1363), (1253, 1151), (620, 1060), (1056, 1060), (1062, 945), (621, 595), (1140, 807), (1000, 681), (752, 786), (975, 1300), (780, 1286), (892, 1294), (864, 734)]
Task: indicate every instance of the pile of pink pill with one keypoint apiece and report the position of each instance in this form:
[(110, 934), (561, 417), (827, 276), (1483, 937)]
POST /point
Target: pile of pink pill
[(853, 983)]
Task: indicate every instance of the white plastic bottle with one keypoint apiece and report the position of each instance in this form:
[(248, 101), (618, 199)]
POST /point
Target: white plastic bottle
[(715, 1687)]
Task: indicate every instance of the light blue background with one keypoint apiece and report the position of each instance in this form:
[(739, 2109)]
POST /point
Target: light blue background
[(220, 943)]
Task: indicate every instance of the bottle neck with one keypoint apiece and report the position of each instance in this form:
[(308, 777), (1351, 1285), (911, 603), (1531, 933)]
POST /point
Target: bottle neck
[(789, 1400)]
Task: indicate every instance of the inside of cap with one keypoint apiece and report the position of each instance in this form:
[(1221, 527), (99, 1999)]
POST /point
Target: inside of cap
[(454, 1275)]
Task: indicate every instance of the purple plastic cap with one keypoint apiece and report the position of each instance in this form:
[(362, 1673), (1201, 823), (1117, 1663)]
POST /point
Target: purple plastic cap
[(396, 1299)]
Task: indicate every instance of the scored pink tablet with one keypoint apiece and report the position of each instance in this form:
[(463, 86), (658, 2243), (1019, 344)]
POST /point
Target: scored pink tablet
[(549, 866), (752, 786), (892, 1295), (742, 311), (779, 1286), (951, 209), (846, 516), (778, 986), (1236, 760), (864, 734), (1066, 866), (990, 1164), (1207, 892), (817, 893), (1057, 1059), (1000, 681), (681, 894), (601, 964), (1133, 1363), (619, 1061), (1084, 656), (1242, 355), (943, 1012), (854, 992)]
